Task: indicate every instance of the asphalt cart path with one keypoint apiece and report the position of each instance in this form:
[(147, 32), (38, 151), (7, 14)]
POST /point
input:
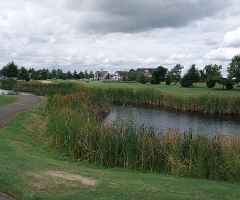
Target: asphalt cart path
[(7, 111)]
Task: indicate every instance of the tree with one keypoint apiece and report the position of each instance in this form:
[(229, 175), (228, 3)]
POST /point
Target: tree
[(60, 74), (91, 74), (211, 74), (187, 80), (225, 82), (132, 75), (176, 72), (43, 75), (234, 68), (34, 74), (159, 75), (142, 79), (210, 83), (86, 75), (168, 79), (192, 76), (23, 74), (10, 70), (81, 75), (193, 73), (54, 73), (75, 75), (69, 75), (212, 71)]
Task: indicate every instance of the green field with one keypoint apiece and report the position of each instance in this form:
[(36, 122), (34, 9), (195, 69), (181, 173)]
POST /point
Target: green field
[(199, 88), (31, 170)]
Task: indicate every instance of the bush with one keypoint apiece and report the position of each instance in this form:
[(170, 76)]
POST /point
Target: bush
[(186, 81), (168, 80), (229, 84), (210, 83)]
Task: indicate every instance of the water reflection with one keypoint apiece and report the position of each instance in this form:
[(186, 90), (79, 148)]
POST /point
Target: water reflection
[(163, 119)]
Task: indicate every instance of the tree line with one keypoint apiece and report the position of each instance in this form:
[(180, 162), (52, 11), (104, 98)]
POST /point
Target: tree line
[(211, 74), (11, 70)]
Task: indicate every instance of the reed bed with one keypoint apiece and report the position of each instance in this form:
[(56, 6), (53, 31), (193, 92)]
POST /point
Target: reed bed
[(203, 103), (46, 89), (75, 128), (7, 84)]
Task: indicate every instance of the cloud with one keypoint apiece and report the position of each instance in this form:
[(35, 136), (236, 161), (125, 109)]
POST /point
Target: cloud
[(222, 54), (117, 35), (212, 41), (232, 38), (129, 16)]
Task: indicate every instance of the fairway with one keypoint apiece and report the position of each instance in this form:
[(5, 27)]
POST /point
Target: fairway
[(198, 88)]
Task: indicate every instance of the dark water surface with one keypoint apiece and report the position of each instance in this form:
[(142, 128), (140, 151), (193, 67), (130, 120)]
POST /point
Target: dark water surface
[(163, 119)]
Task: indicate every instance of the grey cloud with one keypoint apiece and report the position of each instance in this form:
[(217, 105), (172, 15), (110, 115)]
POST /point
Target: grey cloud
[(211, 41), (129, 16)]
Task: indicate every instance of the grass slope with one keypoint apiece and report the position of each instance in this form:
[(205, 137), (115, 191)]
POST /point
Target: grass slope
[(8, 99), (31, 170)]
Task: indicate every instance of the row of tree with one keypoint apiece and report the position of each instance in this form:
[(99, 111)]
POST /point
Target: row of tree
[(211, 74), (11, 70)]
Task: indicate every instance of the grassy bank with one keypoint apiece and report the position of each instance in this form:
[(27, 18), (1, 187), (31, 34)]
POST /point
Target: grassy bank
[(30, 170), (8, 99)]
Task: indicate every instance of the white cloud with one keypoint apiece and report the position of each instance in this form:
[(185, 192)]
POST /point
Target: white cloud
[(222, 53), (232, 38)]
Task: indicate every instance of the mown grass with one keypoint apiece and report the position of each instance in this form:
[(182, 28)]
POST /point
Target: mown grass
[(27, 166), (8, 99), (199, 88)]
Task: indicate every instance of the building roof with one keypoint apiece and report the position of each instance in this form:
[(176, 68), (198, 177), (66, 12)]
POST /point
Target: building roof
[(122, 73), (141, 70), (101, 73)]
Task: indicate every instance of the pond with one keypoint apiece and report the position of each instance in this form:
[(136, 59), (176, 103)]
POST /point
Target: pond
[(5, 92), (182, 121)]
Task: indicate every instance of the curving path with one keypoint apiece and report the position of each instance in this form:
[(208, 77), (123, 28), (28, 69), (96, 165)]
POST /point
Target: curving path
[(7, 111)]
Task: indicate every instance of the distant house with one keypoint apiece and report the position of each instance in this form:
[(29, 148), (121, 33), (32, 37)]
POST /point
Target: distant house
[(100, 75), (1, 75), (146, 71), (119, 75)]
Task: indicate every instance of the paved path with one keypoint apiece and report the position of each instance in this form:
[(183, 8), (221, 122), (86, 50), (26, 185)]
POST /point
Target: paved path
[(7, 111)]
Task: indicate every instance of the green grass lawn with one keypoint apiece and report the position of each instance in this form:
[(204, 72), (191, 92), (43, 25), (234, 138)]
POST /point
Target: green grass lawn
[(198, 88), (8, 99), (31, 170)]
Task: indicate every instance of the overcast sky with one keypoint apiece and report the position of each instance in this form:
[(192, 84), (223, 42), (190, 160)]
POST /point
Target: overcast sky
[(118, 35)]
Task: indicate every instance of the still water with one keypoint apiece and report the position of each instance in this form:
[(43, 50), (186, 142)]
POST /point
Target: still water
[(5, 92), (163, 119)]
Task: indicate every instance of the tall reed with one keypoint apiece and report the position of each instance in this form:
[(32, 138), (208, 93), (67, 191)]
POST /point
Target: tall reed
[(203, 103), (75, 127)]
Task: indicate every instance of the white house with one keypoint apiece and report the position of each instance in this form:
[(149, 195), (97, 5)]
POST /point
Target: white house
[(119, 75), (100, 75)]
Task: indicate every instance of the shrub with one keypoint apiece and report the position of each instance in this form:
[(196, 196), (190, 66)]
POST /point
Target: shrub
[(186, 81), (210, 83)]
